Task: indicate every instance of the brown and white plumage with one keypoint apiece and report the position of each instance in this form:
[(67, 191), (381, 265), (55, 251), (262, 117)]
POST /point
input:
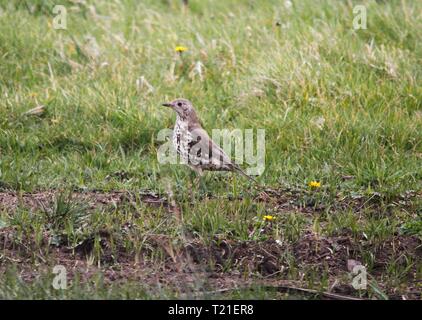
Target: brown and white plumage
[(193, 144)]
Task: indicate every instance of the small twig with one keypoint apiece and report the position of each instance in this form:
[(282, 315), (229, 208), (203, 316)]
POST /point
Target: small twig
[(323, 293), (285, 288)]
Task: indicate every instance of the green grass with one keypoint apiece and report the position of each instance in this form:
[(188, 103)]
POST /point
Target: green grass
[(265, 66)]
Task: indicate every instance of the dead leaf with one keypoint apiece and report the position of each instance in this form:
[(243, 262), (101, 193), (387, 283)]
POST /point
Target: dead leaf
[(352, 263), (37, 111)]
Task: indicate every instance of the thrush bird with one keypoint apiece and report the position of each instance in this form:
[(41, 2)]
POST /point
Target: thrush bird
[(193, 144)]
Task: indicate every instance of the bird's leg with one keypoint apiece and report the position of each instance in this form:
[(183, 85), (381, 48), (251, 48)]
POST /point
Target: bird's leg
[(234, 187), (192, 183), (203, 185), (195, 180), (199, 181)]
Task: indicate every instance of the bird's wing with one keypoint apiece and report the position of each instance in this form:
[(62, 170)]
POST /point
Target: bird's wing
[(207, 154), (205, 151)]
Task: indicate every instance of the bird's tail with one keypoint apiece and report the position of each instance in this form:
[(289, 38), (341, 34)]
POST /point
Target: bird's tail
[(238, 169), (243, 173)]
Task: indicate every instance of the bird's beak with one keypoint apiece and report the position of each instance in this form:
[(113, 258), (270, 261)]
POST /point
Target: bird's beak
[(167, 105)]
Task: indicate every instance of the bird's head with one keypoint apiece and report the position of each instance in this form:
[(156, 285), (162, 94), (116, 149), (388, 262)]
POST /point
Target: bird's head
[(183, 107)]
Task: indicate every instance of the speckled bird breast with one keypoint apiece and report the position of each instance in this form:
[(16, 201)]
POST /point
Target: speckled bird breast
[(182, 139)]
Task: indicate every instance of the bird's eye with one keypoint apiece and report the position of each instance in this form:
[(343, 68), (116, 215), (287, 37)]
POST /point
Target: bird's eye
[(179, 104)]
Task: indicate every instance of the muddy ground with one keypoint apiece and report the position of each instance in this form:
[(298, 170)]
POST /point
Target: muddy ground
[(219, 265)]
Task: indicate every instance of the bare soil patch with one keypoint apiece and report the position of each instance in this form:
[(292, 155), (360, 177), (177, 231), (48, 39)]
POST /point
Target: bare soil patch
[(10, 201), (220, 264), (283, 199)]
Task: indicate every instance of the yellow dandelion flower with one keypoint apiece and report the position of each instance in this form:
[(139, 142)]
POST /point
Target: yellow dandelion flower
[(71, 48), (314, 184), (269, 218), (180, 49)]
